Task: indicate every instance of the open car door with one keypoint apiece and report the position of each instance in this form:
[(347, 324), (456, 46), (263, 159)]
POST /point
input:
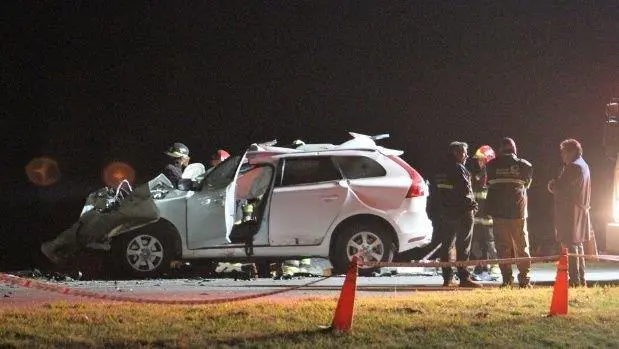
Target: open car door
[(211, 210)]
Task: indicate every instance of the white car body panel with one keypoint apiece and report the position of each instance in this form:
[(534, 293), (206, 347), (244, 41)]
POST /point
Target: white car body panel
[(206, 218), (307, 225), (300, 220)]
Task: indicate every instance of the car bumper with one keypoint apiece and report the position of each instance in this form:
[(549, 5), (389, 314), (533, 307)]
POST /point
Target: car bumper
[(415, 230)]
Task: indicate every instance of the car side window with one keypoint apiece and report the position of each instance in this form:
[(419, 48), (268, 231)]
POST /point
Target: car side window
[(309, 170), (355, 167)]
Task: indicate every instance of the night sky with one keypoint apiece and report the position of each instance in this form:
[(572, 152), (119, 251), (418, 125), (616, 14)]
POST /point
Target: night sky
[(90, 83)]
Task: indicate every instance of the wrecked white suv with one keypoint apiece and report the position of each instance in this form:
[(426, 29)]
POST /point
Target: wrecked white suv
[(316, 200)]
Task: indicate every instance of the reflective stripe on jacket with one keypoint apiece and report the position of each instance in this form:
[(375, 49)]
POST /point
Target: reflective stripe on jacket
[(452, 190), (480, 189), (483, 220), (508, 179)]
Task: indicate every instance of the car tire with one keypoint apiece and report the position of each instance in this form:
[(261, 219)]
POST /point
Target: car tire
[(143, 254), (375, 240)]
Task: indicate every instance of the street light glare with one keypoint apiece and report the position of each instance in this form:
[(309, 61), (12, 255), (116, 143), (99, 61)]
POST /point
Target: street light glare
[(43, 171), (116, 172)]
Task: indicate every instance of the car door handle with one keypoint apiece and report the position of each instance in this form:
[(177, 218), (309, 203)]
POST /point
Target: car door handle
[(329, 198)]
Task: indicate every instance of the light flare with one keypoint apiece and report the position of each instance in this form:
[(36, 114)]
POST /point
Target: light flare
[(43, 171), (116, 172)]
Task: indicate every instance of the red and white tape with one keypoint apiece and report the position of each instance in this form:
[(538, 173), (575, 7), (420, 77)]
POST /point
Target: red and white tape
[(46, 286), (598, 258), (470, 263)]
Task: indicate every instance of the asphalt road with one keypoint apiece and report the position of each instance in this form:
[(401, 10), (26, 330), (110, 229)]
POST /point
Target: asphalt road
[(196, 288)]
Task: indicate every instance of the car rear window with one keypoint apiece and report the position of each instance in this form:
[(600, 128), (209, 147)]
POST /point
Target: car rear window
[(355, 167), (309, 170)]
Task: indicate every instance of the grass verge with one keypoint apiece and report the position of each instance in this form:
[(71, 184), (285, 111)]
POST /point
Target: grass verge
[(485, 318)]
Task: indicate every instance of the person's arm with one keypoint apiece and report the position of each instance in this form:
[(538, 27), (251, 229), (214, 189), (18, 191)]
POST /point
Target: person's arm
[(568, 181), (529, 178), (462, 188), (172, 175)]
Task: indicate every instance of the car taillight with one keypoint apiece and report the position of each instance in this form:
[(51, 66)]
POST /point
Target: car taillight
[(417, 187)]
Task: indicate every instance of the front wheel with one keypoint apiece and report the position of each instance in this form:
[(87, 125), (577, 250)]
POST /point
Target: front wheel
[(143, 254), (370, 242)]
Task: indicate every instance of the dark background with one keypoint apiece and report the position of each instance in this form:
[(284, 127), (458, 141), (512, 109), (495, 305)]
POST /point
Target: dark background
[(88, 83)]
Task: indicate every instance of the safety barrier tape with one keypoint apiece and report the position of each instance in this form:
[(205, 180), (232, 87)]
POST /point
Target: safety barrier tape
[(598, 258), (470, 263), (45, 286)]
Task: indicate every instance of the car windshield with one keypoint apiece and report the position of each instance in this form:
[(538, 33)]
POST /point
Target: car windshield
[(224, 173)]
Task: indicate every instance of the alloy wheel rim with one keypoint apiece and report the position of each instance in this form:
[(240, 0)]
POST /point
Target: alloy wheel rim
[(367, 246), (144, 253)]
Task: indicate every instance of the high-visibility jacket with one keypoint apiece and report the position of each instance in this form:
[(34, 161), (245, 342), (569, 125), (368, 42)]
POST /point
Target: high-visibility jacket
[(508, 180), (479, 182)]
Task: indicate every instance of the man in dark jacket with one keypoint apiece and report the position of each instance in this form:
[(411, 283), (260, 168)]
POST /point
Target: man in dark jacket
[(508, 179), (572, 193), (179, 154), (457, 208)]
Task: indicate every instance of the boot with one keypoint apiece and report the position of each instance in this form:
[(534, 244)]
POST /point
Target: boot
[(449, 283), (508, 282), (524, 282)]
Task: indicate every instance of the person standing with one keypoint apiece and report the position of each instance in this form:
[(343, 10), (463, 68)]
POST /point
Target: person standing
[(509, 177), (457, 210), (572, 198), (483, 237)]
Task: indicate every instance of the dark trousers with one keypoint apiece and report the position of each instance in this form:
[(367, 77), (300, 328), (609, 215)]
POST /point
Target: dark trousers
[(483, 246), (577, 265), (456, 230)]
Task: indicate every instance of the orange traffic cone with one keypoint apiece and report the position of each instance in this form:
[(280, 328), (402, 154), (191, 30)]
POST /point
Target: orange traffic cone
[(559, 294), (342, 320)]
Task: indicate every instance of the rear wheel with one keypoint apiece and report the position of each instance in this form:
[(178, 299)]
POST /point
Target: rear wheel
[(143, 254), (370, 241)]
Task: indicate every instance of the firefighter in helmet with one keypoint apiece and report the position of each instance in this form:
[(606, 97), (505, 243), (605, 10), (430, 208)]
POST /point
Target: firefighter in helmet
[(179, 156), (483, 237), (219, 157)]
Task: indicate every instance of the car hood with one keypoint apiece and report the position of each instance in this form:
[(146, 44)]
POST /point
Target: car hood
[(162, 190)]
